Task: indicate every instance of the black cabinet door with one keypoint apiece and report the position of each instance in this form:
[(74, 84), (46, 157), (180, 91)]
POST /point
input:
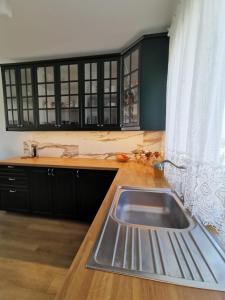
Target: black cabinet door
[(46, 93), (63, 193), (41, 198), (15, 200), (131, 89), (110, 93), (11, 97), (92, 187), (69, 95)]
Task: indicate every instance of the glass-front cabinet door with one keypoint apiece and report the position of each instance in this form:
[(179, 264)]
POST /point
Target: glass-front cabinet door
[(26, 96), (46, 96), (110, 105), (69, 95), (11, 95), (130, 90), (91, 118)]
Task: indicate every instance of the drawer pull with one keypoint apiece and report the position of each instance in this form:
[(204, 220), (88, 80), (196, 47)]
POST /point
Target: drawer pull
[(10, 167), (12, 191), (12, 178)]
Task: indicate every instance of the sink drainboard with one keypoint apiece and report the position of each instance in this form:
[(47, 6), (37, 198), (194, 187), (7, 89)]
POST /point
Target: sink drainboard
[(186, 256)]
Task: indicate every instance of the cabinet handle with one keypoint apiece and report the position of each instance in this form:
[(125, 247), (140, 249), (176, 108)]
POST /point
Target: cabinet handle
[(52, 172), (12, 178), (78, 174), (10, 167), (102, 125), (98, 125), (12, 191), (49, 172)]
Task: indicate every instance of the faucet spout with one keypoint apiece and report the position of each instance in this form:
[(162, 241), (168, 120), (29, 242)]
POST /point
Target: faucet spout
[(160, 165)]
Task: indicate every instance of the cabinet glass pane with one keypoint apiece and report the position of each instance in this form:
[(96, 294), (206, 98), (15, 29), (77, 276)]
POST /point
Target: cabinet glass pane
[(41, 74), (50, 74), (94, 87), (74, 88), (87, 101), (23, 75), (113, 86), (64, 75), (126, 83), (42, 102), (94, 70), (51, 102), (73, 72), (134, 79), (50, 89), (113, 116), (94, 100), (14, 102), (65, 101), (28, 72), (107, 100), (7, 80), (87, 71), (8, 91), (106, 115), (135, 60), (24, 90), (126, 65), (15, 117), (30, 103), (94, 116), (12, 75), (113, 99), (74, 101), (107, 69), (107, 86), (41, 90), (64, 88), (51, 116), (29, 90), (114, 69), (43, 117), (9, 103), (88, 116), (10, 117), (87, 87)]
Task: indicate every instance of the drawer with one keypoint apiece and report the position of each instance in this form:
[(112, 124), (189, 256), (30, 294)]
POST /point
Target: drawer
[(15, 200), (12, 169), (13, 179)]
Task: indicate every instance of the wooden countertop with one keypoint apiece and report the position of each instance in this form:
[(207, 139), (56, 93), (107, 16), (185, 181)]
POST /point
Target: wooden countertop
[(82, 283)]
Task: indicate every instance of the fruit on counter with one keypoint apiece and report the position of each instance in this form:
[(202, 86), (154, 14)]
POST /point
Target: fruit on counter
[(122, 157)]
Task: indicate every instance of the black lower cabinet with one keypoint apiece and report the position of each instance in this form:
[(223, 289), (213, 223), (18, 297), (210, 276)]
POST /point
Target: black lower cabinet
[(63, 193), (15, 200), (92, 187), (41, 200), (55, 192)]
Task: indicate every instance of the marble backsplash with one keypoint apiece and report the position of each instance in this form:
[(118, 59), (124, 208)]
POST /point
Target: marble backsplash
[(94, 144)]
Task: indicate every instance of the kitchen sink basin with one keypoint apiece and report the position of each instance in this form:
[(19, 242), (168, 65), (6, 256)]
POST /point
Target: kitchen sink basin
[(148, 233), (149, 208)]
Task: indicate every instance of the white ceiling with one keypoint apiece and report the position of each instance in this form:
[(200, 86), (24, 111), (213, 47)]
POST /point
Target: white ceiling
[(54, 28)]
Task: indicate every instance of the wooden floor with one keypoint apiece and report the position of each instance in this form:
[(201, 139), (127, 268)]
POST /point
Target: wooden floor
[(35, 254)]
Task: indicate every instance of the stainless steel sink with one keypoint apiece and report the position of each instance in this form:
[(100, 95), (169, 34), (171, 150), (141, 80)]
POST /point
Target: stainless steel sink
[(150, 208), (148, 233)]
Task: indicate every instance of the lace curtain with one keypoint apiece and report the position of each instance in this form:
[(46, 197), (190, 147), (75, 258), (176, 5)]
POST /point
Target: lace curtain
[(195, 126)]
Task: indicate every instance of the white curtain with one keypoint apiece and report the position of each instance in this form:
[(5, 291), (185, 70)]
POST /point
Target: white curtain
[(195, 125)]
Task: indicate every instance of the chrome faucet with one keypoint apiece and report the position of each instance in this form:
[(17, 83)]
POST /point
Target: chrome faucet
[(160, 165)]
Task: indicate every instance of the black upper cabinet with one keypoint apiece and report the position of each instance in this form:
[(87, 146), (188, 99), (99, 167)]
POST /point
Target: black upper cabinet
[(104, 92), (144, 77), (101, 94)]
